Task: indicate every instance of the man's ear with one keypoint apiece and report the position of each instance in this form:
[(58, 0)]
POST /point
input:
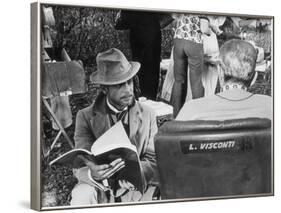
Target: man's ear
[(221, 75)]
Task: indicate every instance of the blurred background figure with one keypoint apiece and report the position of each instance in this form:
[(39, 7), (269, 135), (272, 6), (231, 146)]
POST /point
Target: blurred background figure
[(236, 75), (59, 104), (145, 41), (188, 52)]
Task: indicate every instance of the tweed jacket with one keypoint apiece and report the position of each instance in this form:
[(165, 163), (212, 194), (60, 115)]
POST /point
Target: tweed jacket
[(94, 120)]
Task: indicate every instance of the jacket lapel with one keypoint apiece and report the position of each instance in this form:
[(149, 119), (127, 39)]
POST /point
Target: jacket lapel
[(100, 124), (100, 121), (135, 120)]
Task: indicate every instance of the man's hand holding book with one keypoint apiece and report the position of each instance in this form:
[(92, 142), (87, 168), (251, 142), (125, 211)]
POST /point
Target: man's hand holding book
[(105, 171)]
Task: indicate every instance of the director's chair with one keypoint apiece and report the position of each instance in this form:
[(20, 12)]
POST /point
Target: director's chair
[(199, 159), (60, 79)]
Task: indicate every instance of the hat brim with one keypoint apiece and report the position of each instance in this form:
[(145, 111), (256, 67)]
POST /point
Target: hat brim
[(135, 66)]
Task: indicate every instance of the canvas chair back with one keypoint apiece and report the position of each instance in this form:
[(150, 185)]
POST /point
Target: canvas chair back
[(214, 158)]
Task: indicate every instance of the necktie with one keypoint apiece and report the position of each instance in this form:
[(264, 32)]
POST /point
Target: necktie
[(121, 115)]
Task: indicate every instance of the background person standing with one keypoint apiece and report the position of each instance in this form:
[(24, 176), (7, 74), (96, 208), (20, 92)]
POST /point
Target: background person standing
[(145, 41), (188, 52)]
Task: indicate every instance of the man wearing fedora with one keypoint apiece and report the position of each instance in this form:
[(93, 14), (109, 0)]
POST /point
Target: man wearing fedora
[(115, 102)]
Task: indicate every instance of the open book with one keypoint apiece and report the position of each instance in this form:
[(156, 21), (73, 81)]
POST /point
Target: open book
[(113, 144)]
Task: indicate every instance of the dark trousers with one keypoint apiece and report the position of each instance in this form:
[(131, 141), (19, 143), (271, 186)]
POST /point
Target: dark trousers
[(146, 50), (187, 54)]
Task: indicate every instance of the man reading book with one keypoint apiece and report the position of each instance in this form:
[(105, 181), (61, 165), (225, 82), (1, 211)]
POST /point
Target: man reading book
[(114, 103)]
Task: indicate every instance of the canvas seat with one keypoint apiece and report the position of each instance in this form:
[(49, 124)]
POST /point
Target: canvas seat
[(60, 78)]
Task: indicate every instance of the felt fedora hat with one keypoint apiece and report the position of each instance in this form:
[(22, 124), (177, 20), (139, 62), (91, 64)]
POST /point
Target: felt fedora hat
[(113, 68)]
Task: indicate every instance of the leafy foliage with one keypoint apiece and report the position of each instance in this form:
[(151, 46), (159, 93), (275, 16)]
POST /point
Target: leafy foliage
[(84, 32)]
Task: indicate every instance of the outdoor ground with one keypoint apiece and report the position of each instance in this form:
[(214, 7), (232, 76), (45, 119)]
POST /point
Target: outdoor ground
[(85, 32)]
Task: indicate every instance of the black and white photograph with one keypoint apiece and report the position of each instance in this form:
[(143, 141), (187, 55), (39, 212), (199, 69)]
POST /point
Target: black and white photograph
[(143, 106)]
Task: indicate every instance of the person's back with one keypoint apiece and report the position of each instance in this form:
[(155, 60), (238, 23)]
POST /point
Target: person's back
[(236, 74), (231, 104)]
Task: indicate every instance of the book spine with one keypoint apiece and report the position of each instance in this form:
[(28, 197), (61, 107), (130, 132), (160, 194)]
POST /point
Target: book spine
[(35, 108)]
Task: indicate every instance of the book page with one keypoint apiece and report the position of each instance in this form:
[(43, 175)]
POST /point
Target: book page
[(115, 137), (68, 157)]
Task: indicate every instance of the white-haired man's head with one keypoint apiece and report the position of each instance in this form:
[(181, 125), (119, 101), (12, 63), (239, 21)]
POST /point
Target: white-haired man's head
[(237, 62)]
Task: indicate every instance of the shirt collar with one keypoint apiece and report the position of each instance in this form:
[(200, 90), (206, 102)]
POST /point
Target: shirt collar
[(235, 94), (230, 86), (111, 107)]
